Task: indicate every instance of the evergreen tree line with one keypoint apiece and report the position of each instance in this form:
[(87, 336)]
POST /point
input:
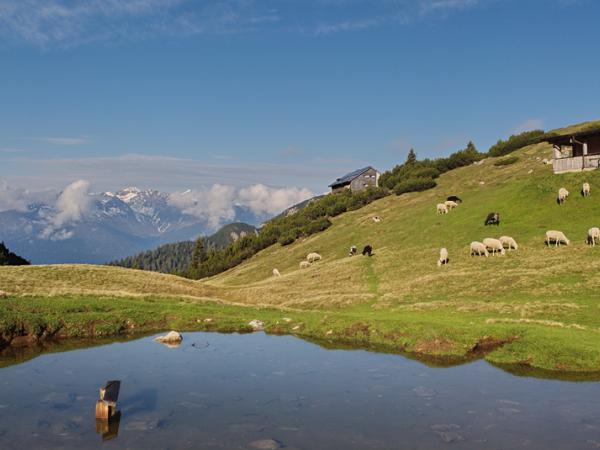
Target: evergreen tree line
[(8, 258), (415, 175), (175, 258)]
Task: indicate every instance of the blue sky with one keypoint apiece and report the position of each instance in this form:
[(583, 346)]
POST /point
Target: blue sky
[(172, 94)]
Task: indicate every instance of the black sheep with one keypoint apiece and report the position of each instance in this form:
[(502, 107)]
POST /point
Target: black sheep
[(454, 198), (492, 219), (368, 250)]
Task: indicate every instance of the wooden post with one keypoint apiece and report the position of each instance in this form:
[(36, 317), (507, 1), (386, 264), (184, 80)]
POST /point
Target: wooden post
[(106, 407)]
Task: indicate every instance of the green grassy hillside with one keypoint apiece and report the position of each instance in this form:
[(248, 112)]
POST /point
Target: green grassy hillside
[(536, 307)]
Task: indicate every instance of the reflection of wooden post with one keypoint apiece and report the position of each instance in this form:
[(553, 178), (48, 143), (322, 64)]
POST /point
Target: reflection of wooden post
[(106, 407)]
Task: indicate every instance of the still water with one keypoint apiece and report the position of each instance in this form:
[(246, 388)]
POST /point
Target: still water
[(260, 391)]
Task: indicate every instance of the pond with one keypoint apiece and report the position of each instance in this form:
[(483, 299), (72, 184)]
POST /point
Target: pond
[(260, 392)]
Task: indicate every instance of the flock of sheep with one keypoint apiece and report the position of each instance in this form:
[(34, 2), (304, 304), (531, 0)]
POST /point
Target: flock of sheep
[(488, 245), (499, 246)]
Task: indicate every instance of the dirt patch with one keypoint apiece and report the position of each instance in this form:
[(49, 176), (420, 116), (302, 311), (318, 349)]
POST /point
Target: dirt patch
[(434, 346), (488, 344), (357, 329)]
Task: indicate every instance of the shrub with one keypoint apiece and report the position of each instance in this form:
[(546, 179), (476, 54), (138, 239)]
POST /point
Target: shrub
[(507, 161), (414, 185), (516, 141)]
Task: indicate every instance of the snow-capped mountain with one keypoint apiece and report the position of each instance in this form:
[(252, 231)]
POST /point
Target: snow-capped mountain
[(111, 226)]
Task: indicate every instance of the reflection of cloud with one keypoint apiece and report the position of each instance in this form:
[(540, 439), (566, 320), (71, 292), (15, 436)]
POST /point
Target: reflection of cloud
[(529, 125)]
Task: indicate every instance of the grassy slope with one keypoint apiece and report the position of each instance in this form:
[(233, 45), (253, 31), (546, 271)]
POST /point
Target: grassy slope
[(543, 301), (538, 306)]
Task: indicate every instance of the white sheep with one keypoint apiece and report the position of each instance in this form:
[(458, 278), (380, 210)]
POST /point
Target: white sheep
[(276, 273), (442, 208), (477, 248), (312, 257), (443, 257), (304, 264), (585, 189), (558, 237), (376, 219), (450, 204), (593, 236), (494, 245), (562, 195), (509, 242)]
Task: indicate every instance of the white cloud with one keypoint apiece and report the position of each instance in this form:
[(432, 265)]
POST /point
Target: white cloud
[(12, 199), (62, 140), (529, 125), (432, 6), (214, 204), (262, 199), (11, 150), (72, 204), (168, 173)]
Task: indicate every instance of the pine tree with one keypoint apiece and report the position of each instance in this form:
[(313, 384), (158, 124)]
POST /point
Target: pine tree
[(411, 159), (197, 255)]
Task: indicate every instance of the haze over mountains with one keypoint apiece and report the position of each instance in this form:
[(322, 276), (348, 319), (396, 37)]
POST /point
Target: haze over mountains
[(76, 226)]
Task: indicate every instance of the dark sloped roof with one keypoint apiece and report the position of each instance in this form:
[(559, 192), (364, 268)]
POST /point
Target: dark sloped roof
[(566, 138), (349, 176)]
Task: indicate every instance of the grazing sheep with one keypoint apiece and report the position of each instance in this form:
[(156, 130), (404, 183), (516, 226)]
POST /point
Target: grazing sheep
[(593, 236), (558, 237), (562, 196), (454, 198), (276, 273), (367, 250), (376, 219), (450, 204), (477, 248), (494, 245), (353, 251), (545, 161), (443, 257), (312, 257), (442, 208), (509, 242), (585, 190), (304, 264), (492, 218)]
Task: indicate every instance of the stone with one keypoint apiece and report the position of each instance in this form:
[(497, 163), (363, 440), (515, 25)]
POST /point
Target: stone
[(257, 325), (265, 444), (172, 337)]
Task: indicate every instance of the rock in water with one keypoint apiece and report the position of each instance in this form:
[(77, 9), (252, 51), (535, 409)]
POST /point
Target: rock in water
[(257, 325), (172, 337), (265, 444)]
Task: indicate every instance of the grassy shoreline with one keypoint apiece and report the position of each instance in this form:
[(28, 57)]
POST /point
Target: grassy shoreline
[(30, 320)]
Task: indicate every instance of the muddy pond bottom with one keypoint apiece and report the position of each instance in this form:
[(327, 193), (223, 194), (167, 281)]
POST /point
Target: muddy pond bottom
[(268, 392)]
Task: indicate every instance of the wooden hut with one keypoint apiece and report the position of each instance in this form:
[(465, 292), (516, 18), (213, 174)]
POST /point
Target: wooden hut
[(576, 151)]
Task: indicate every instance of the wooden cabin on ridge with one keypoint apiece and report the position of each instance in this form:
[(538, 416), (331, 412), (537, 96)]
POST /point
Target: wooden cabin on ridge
[(357, 181)]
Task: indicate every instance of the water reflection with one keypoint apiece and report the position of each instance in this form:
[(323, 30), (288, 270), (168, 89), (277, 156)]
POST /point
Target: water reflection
[(259, 391), (109, 428)]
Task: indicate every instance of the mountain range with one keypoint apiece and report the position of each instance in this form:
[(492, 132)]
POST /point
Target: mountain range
[(114, 225)]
